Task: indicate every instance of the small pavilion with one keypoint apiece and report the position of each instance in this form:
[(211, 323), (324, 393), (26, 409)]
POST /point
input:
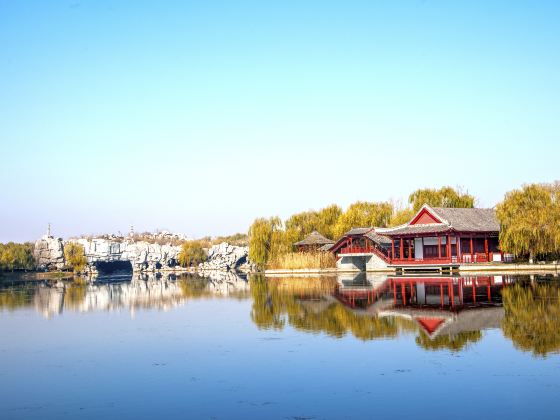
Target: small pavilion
[(314, 242)]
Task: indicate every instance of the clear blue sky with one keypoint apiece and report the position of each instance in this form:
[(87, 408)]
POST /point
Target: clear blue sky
[(197, 117)]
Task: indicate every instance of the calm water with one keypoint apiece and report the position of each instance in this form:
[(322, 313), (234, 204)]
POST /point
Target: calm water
[(296, 348)]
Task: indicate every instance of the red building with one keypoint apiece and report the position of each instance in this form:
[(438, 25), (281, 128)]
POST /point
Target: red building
[(434, 236), (445, 236)]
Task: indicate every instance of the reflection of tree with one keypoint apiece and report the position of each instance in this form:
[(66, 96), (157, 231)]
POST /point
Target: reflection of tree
[(193, 286), (454, 342), (16, 297), (532, 317), (304, 305), (75, 293)]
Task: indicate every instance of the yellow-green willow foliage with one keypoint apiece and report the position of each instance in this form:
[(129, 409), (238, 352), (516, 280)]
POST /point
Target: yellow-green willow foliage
[(530, 220), (444, 197), (15, 256), (267, 239), (401, 216), (532, 317), (302, 224), (74, 255), (364, 214), (455, 342), (192, 253)]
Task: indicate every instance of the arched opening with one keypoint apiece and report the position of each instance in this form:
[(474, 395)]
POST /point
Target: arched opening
[(114, 268)]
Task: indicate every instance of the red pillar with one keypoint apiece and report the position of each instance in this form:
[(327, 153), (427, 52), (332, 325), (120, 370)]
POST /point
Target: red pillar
[(458, 246), (486, 247), (448, 247), (409, 249), (392, 248), (401, 250), (439, 246), (472, 251)]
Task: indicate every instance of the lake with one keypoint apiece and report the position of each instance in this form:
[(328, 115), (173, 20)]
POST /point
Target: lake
[(227, 346)]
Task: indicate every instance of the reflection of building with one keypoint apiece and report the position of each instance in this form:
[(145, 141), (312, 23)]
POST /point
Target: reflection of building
[(438, 305)]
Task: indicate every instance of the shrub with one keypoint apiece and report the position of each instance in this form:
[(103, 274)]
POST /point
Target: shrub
[(192, 253)]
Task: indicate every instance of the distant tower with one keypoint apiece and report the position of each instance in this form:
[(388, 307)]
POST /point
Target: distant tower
[(131, 234), (49, 230)]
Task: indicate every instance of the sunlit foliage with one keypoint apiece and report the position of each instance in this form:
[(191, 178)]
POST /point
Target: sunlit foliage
[(443, 197), (401, 216), (74, 255), (192, 253), (267, 239), (15, 256), (530, 220), (532, 317), (302, 224), (364, 214)]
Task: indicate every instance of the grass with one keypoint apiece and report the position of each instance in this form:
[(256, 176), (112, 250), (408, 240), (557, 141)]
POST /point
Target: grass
[(300, 260)]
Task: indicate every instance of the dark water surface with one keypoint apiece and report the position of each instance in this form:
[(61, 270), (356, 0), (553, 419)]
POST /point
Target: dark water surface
[(290, 348)]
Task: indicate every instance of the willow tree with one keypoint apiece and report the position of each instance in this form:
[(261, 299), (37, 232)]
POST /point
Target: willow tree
[(364, 214), (74, 255), (444, 197), (266, 240), (299, 225), (530, 220)]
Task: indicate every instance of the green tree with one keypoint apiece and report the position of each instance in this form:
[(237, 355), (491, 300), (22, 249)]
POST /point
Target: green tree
[(530, 220), (75, 256), (444, 197), (299, 225), (15, 256), (401, 216), (192, 253), (266, 240), (364, 214)]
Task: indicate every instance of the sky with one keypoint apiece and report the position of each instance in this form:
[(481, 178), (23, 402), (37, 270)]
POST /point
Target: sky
[(197, 117)]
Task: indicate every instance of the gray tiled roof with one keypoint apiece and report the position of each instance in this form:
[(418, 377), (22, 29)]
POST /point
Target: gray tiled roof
[(456, 219), (472, 220), (314, 238)]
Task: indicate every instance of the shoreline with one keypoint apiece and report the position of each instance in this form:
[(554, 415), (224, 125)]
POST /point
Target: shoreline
[(464, 268)]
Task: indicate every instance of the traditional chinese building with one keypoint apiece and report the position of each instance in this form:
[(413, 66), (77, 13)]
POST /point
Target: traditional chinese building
[(434, 236), (445, 236)]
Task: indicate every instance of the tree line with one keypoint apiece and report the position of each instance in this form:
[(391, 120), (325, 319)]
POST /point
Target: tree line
[(529, 219), (14, 256), (271, 238)]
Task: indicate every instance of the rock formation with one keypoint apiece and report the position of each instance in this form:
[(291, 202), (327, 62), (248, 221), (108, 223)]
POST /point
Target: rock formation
[(143, 256), (49, 253), (226, 257)]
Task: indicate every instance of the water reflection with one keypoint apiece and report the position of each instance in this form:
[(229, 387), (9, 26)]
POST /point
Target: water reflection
[(439, 312)]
